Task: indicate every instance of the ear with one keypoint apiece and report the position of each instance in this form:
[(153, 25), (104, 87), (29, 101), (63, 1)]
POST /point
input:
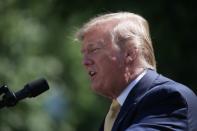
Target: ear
[(130, 54)]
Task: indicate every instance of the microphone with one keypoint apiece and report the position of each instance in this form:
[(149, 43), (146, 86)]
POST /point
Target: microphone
[(31, 89)]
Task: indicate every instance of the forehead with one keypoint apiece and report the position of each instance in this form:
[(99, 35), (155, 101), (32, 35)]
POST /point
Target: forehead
[(95, 36), (98, 34)]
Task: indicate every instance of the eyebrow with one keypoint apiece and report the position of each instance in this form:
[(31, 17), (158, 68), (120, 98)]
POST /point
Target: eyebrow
[(93, 45)]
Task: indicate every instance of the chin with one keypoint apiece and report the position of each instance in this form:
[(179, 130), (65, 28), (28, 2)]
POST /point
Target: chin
[(97, 89), (93, 87), (101, 91)]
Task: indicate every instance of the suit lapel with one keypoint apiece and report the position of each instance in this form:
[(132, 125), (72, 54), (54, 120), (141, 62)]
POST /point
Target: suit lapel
[(134, 96)]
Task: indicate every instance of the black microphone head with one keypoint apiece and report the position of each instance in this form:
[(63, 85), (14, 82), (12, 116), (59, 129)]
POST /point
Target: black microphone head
[(36, 87)]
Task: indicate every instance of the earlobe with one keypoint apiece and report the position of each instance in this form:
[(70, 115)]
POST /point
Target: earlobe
[(130, 58)]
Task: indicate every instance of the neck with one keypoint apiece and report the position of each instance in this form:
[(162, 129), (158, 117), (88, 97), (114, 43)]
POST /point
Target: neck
[(130, 75)]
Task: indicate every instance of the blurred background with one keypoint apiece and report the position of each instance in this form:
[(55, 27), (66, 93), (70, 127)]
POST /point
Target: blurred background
[(37, 40)]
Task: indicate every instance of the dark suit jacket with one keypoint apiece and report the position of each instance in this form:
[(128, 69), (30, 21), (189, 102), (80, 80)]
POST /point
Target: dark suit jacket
[(157, 103)]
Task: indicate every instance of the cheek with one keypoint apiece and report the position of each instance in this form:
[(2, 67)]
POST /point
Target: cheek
[(111, 71), (109, 62)]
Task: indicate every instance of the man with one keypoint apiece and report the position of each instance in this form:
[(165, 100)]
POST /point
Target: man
[(119, 58)]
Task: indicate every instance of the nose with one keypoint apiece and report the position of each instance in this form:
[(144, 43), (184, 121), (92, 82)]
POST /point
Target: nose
[(87, 61)]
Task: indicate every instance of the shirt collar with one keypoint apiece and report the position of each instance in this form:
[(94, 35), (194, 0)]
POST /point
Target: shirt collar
[(122, 97)]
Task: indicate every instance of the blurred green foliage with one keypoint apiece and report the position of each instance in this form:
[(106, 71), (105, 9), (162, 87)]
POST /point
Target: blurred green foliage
[(37, 40)]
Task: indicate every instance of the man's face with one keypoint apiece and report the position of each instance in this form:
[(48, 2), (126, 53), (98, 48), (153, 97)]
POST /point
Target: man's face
[(104, 62)]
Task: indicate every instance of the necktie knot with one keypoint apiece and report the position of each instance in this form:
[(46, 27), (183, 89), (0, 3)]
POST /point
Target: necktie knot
[(115, 107)]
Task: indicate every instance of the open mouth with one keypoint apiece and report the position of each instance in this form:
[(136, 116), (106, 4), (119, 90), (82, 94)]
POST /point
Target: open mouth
[(92, 74)]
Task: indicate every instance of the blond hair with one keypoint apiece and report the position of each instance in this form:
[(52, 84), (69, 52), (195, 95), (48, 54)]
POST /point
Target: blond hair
[(129, 26)]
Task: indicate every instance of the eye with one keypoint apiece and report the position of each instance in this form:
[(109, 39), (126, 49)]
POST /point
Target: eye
[(95, 50)]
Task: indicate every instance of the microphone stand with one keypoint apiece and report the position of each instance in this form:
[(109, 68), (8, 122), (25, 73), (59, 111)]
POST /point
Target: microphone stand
[(31, 89), (8, 99)]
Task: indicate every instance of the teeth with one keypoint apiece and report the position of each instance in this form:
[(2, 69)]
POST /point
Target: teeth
[(92, 73)]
